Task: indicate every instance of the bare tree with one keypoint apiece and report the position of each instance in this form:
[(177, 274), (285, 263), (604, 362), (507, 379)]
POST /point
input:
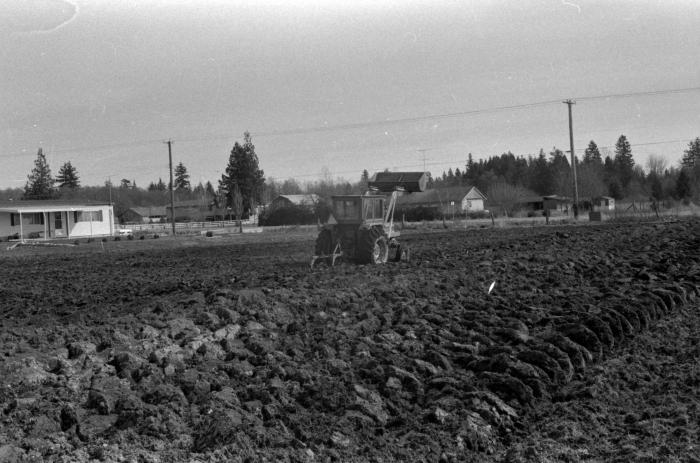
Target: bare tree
[(656, 164), (590, 181), (506, 196)]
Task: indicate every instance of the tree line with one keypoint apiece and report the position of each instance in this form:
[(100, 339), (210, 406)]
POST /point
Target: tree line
[(243, 186), (616, 175)]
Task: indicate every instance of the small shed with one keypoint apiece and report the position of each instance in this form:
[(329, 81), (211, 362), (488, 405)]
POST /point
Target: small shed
[(604, 203), (531, 203), (557, 203)]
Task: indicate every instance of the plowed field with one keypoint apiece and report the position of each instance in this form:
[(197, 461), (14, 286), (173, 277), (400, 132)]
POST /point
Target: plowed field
[(586, 349)]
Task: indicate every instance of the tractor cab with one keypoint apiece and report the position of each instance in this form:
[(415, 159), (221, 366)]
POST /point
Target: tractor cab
[(363, 226), (368, 209)]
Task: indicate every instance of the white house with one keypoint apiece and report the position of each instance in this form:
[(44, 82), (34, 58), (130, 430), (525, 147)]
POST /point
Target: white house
[(49, 219)]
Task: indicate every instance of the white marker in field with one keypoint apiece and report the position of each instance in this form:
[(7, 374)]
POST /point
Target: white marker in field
[(491, 287)]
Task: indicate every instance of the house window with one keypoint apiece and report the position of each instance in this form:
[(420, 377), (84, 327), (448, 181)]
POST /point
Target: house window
[(36, 218), (87, 216), (469, 203)]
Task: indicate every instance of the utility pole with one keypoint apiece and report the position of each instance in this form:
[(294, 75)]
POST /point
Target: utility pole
[(422, 152), (573, 156), (172, 186)]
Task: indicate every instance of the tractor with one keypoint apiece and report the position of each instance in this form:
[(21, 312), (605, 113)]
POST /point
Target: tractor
[(361, 227)]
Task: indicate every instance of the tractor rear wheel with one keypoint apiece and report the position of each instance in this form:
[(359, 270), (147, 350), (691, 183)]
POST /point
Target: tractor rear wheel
[(372, 246), (324, 243)]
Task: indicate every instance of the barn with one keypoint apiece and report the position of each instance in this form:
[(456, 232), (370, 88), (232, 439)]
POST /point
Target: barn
[(452, 200), (49, 219), (295, 200), (148, 214)]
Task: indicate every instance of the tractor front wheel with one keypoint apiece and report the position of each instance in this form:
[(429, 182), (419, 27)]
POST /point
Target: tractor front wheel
[(372, 247), (401, 253)]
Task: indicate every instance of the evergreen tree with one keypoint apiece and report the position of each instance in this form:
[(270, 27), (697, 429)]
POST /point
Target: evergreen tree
[(68, 176), (469, 168), (364, 181), (243, 171), (691, 156), (683, 185), (160, 186), (198, 190), (541, 179), (209, 190), (182, 178), (592, 154), (40, 183), (623, 161)]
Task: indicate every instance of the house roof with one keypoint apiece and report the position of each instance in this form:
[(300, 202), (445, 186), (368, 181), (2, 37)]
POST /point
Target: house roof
[(152, 211), (557, 198), (190, 203), (531, 199), (441, 196), (299, 200), (47, 205)]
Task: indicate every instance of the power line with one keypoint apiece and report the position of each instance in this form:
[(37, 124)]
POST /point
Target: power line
[(359, 125), (463, 161), (647, 93)]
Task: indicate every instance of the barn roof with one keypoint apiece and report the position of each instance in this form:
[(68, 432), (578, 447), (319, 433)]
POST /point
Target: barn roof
[(154, 211), (299, 200)]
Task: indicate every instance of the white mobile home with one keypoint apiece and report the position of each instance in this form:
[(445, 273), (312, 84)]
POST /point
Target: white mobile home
[(50, 219)]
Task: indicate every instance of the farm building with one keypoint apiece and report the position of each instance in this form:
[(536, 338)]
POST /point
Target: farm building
[(197, 210), (531, 203), (604, 203), (50, 219), (557, 203), (149, 214), (295, 200), (452, 200)]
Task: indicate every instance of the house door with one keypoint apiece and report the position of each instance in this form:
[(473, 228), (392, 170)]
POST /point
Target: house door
[(58, 223)]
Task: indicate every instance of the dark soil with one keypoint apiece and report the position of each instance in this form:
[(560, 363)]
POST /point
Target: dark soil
[(586, 349)]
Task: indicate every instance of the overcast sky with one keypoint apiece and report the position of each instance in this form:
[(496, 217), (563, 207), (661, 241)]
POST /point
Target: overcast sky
[(330, 86)]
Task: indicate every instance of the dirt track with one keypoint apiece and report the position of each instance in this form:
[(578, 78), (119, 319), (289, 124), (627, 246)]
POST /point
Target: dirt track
[(585, 350)]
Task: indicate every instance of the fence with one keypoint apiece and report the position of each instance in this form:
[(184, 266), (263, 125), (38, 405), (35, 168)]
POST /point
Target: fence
[(179, 226)]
